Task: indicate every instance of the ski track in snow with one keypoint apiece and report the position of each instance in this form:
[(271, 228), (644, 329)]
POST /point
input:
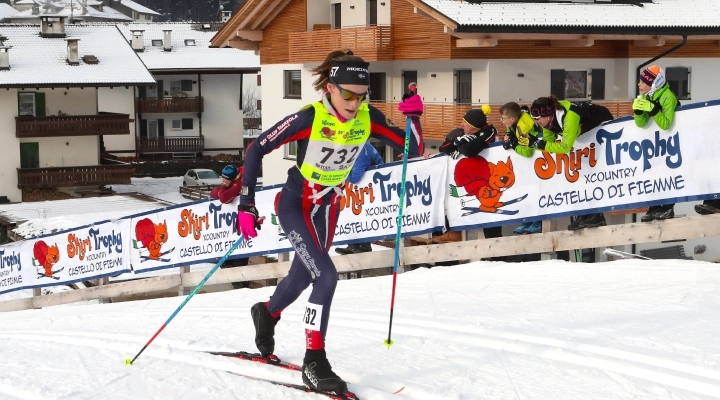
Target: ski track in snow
[(539, 330)]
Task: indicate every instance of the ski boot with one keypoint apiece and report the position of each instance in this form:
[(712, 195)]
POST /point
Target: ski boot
[(264, 328), (317, 373)]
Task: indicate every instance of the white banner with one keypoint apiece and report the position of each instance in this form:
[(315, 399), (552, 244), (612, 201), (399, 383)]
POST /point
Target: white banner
[(612, 167), (16, 271)]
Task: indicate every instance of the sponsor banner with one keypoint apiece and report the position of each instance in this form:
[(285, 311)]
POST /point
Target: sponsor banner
[(615, 166), (370, 208), (70, 256)]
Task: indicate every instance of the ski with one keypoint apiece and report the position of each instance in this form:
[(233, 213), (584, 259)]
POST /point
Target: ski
[(622, 254), (255, 357), (144, 258), (472, 210), (331, 395)]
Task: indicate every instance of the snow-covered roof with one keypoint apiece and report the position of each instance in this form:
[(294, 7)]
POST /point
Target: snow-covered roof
[(137, 7), (655, 14), (35, 60), (77, 12), (37, 218), (199, 56), (6, 10)]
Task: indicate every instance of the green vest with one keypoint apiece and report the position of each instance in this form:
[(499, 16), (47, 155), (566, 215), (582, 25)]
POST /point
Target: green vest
[(333, 146)]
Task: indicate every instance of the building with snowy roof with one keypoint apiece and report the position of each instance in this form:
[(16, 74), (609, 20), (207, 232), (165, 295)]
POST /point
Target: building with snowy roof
[(66, 86)]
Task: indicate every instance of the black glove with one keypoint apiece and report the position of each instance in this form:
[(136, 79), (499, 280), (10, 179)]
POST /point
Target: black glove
[(656, 108), (448, 147), (511, 141), (406, 96), (473, 148), (461, 140), (638, 112)]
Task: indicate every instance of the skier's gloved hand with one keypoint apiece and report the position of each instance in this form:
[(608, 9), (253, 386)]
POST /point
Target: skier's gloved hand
[(655, 108), (636, 106), (642, 105), (455, 154), (460, 140), (248, 221), (527, 140)]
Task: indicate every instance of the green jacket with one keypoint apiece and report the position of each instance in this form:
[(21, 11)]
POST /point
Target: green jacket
[(666, 116), (570, 131), (527, 126)]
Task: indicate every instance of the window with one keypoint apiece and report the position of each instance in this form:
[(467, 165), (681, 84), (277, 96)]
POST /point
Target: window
[(291, 150), (29, 155), (148, 17), (336, 14), (463, 86), (175, 86), (31, 104), (292, 86), (187, 123), (371, 12), (377, 86), (259, 105), (189, 42), (186, 85), (182, 124), (679, 80), (157, 42), (176, 125), (578, 85), (152, 128), (407, 77), (258, 80)]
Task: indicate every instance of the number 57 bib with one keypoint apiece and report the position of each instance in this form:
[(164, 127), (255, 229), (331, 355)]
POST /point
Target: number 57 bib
[(334, 145)]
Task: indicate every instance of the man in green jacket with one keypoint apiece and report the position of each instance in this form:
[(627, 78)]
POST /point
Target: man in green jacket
[(658, 102)]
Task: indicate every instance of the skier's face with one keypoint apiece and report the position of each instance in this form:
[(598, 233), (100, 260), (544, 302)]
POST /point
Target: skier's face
[(347, 98), (467, 128), (644, 88)]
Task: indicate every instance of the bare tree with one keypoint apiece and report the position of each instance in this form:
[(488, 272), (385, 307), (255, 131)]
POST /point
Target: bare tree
[(251, 112)]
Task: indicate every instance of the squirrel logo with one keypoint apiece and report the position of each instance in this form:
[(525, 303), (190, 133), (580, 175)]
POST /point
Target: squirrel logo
[(151, 236), (47, 256), (485, 180)]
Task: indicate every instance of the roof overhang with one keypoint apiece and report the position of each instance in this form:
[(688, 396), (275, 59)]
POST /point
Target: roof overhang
[(72, 85), (244, 29), (205, 71)]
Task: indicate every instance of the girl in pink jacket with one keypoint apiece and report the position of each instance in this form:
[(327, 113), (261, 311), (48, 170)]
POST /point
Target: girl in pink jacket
[(412, 107)]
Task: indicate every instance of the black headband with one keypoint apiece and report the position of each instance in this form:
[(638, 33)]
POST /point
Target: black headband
[(350, 73)]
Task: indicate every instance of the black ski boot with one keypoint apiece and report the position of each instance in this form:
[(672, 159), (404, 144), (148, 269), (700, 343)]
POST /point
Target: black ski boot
[(317, 373), (650, 214), (593, 221), (576, 222), (664, 212), (264, 328), (354, 248)]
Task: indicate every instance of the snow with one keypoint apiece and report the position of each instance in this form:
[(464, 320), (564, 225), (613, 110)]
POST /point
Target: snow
[(540, 330), (159, 188)]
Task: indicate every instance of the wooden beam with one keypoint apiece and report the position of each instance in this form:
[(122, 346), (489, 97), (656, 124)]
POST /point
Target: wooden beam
[(488, 42), (226, 33), (572, 43), (274, 14), (244, 45), (251, 14), (264, 14), (423, 9), (255, 36), (654, 42)]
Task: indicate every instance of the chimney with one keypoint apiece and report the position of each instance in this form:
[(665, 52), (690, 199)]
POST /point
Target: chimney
[(138, 42), (72, 51), (225, 16), (4, 58), (167, 42), (52, 27), (35, 9)]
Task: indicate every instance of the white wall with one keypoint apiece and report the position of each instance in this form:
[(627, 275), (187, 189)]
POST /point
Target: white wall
[(222, 121), (383, 11), (353, 17), (703, 82), (318, 12), (118, 100), (73, 101), (10, 160), (66, 151)]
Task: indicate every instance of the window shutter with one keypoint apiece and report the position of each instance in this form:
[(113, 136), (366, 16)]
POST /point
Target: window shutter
[(39, 104), (161, 128), (557, 83), (678, 79), (160, 92), (258, 80), (597, 91), (142, 92), (186, 85), (143, 128), (259, 105), (187, 123)]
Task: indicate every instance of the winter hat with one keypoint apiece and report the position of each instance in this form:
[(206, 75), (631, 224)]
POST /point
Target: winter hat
[(230, 172), (649, 74), (475, 118), (542, 107), (412, 86)]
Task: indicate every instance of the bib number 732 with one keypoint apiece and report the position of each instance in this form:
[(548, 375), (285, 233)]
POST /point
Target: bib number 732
[(340, 156)]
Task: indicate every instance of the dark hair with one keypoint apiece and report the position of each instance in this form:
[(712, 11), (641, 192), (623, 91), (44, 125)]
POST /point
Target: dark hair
[(323, 70), (548, 101), (512, 109)]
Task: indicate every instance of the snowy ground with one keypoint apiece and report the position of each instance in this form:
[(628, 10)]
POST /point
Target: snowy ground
[(167, 189), (542, 330)]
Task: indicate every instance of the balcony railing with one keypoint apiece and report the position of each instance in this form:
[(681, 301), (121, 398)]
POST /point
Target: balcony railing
[(191, 144), (373, 43), (171, 105), (439, 119), (93, 175), (75, 125)]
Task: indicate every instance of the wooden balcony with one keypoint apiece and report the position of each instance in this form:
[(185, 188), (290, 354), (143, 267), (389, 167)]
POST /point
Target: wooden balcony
[(439, 119), (73, 125), (373, 43), (93, 175), (167, 105), (180, 144)]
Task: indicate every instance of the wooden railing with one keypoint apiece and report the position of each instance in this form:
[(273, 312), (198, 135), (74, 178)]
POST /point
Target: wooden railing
[(171, 105), (76, 125), (93, 175), (175, 144), (439, 119), (373, 43)]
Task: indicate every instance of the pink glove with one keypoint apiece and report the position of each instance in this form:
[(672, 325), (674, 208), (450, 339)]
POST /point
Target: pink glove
[(248, 221)]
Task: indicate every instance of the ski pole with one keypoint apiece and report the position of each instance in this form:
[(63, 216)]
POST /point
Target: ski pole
[(408, 129), (177, 310)]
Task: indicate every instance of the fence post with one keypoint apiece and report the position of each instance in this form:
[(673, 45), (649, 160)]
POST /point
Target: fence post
[(37, 293), (549, 225), (183, 291)]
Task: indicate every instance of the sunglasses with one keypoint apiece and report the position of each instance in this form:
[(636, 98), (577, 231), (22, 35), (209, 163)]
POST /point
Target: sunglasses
[(350, 95)]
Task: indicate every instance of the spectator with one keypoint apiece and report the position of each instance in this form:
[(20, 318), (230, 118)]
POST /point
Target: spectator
[(368, 157), (656, 100), (561, 117), (412, 107), (226, 193), (517, 123)]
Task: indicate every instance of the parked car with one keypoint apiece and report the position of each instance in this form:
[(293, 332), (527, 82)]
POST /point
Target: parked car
[(201, 177)]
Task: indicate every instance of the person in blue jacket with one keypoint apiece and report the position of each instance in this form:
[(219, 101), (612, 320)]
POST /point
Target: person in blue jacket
[(367, 158)]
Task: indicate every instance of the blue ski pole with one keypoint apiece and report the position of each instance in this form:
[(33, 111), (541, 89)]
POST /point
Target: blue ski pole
[(197, 288), (408, 130)]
